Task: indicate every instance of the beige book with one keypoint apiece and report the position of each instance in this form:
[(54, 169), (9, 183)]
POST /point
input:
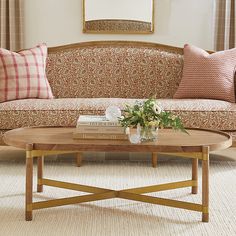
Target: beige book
[(99, 136), (100, 129)]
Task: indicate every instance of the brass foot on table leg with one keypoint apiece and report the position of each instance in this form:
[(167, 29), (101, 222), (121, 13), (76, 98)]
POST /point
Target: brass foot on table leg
[(205, 217), (28, 216)]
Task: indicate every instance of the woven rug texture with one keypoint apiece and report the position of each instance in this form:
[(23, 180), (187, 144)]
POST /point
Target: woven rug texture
[(118, 217)]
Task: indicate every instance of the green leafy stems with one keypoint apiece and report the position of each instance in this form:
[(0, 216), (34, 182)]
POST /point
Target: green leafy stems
[(150, 114)]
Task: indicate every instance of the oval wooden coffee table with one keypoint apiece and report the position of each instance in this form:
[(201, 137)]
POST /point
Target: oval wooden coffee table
[(39, 142)]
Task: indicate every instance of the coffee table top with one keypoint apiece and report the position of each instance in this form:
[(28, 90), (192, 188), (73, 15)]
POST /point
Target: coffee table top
[(60, 138)]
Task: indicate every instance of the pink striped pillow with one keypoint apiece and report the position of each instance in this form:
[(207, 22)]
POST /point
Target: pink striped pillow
[(22, 74), (207, 75)]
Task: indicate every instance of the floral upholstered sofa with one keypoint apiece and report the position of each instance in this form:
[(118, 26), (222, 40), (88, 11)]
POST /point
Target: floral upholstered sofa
[(88, 77)]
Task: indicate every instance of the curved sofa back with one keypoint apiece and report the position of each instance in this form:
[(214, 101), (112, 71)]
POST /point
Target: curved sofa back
[(118, 69)]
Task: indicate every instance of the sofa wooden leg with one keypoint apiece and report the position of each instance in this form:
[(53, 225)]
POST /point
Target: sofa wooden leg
[(40, 162), (79, 159), (154, 159)]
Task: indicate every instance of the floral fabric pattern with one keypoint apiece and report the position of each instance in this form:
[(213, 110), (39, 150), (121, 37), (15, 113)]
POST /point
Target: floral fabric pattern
[(211, 114), (114, 71), (118, 25)]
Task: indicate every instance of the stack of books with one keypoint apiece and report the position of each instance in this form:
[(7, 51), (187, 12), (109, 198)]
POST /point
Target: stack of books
[(98, 127)]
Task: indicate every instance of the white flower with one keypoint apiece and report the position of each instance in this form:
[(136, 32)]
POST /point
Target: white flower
[(157, 109), (173, 117)]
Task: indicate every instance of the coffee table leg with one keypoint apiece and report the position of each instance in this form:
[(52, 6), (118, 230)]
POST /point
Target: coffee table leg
[(205, 184), (154, 159), (29, 183), (195, 174), (40, 163)]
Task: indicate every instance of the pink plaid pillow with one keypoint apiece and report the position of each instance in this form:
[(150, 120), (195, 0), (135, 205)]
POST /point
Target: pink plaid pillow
[(22, 74), (208, 75)]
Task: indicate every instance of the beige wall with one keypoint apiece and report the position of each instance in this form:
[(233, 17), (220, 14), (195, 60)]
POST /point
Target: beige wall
[(59, 22)]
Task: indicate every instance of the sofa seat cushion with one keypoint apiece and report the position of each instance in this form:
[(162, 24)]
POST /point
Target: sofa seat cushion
[(214, 114)]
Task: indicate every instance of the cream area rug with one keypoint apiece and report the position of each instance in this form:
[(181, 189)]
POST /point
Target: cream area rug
[(117, 216)]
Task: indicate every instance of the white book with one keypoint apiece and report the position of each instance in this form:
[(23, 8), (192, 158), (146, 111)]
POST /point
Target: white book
[(94, 120)]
